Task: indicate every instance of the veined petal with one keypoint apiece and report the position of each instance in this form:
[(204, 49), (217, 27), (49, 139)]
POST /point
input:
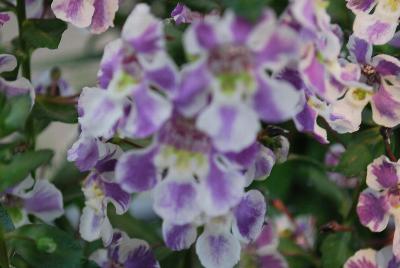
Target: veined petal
[(176, 200), (360, 50), (262, 166), (306, 121), (372, 210), (276, 100), (385, 105), (77, 12), (143, 31), (217, 249), (7, 63), (374, 29), (386, 65), (103, 16), (136, 253), (249, 216), (224, 123), (362, 259), (179, 237), (382, 174), (361, 5), (135, 170), (221, 190)]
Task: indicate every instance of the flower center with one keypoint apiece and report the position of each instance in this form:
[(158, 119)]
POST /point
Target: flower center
[(369, 71), (230, 59)]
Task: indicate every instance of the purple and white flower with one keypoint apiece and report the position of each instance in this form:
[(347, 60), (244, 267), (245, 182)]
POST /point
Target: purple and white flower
[(182, 14), (371, 258), (125, 252), (381, 199), (97, 15), (4, 17), (376, 20), (52, 83), (39, 198)]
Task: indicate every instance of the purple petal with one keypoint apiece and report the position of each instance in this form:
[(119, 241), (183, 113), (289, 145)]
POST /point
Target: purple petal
[(110, 62), (119, 198), (135, 170), (85, 153), (78, 12), (275, 260), (382, 174), (249, 216), (162, 73), (179, 237), (372, 210), (94, 225), (374, 29), (7, 63), (361, 5), (385, 105), (262, 166), (386, 65), (333, 155), (140, 255), (395, 42), (365, 258), (268, 239), (360, 50), (246, 157), (176, 201), (4, 17), (104, 13)]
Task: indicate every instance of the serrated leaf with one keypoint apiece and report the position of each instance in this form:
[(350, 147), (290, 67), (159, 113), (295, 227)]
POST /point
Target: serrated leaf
[(21, 165), (43, 33), (67, 252), (336, 249)]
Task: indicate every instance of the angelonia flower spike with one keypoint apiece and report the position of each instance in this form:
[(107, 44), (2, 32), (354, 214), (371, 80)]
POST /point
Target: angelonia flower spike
[(216, 134)]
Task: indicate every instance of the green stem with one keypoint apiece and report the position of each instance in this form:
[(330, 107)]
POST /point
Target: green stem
[(4, 261), (25, 57)]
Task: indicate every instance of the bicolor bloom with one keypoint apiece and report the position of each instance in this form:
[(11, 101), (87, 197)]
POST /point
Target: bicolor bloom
[(378, 85), (376, 20), (135, 77), (373, 259), (13, 88), (263, 252), (52, 83), (97, 15), (182, 14), (332, 159), (99, 191), (39, 198), (231, 90), (381, 199), (219, 245), (4, 17), (124, 251)]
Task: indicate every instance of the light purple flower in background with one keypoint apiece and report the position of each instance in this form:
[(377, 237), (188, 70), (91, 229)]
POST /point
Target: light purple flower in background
[(381, 199), (99, 191), (231, 56), (376, 20), (377, 85), (4, 17), (370, 258), (52, 83), (332, 159), (182, 14), (13, 88), (97, 15), (39, 198), (125, 252), (263, 252)]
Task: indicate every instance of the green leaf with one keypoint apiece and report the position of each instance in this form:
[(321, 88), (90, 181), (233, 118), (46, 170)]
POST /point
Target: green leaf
[(4, 261), (43, 33), (5, 220), (14, 114), (21, 165), (65, 113), (361, 151), (66, 252), (336, 250), (249, 9)]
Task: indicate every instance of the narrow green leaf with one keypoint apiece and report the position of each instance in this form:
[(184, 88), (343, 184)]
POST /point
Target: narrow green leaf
[(5, 220), (43, 33), (336, 249)]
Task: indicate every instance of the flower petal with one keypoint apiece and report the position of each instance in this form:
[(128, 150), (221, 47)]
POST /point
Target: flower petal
[(385, 105), (110, 62), (7, 63), (362, 259), (249, 216), (382, 174), (372, 210), (275, 260), (361, 5), (306, 121), (374, 29), (262, 166), (179, 237), (385, 257), (84, 152), (4, 17), (119, 198), (77, 12), (135, 171), (360, 50), (103, 16)]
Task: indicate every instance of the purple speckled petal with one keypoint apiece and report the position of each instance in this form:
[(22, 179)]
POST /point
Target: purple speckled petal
[(382, 174), (374, 29), (138, 254), (217, 249), (179, 237), (84, 152), (78, 12), (224, 123), (385, 105), (44, 201), (361, 5), (221, 190), (143, 31), (7, 63), (111, 61), (262, 165), (118, 197), (176, 201), (148, 113), (249, 216), (365, 258), (276, 100), (104, 13), (135, 170), (372, 210), (386, 65), (306, 121), (314, 73), (360, 50), (246, 157)]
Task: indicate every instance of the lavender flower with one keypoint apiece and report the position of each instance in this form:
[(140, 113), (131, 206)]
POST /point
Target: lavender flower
[(373, 259)]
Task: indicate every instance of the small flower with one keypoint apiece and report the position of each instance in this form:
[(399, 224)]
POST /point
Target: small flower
[(4, 17), (182, 14), (39, 198), (52, 83), (376, 21), (98, 15), (373, 259), (125, 252)]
